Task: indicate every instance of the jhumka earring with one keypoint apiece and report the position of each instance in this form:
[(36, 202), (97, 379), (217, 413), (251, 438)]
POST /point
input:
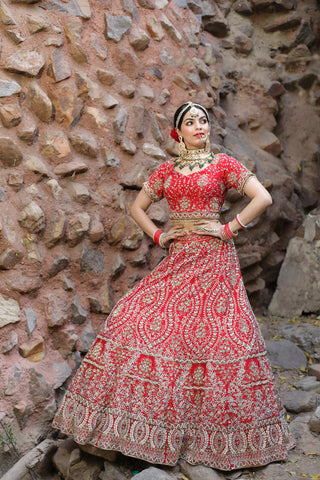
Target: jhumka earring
[(182, 147), (207, 147)]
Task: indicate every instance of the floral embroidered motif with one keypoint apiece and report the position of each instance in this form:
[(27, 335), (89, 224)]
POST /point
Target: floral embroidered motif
[(179, 369)]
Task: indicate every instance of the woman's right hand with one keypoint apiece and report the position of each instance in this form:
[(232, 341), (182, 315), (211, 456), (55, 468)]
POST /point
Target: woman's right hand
[(172, 234)]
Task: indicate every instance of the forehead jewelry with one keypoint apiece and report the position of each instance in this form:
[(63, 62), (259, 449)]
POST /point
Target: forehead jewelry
[(193, 111)]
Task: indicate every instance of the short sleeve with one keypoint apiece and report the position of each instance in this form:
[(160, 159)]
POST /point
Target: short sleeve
[(235, 175), (153, 187)]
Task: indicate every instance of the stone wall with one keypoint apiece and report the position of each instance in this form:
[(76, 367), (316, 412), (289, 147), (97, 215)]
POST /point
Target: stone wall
[(87, 94)]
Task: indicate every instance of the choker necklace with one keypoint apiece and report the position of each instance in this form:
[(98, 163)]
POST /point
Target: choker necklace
[(193, 158)]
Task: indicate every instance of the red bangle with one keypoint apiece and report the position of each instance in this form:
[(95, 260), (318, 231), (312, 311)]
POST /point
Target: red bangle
[(225, 232), (156, 236), (239, 222)]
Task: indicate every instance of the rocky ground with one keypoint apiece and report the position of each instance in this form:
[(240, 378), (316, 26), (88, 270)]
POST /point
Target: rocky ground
[(294, 350)]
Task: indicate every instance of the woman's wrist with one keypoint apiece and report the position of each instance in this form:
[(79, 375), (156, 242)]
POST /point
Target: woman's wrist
[(156, 236)]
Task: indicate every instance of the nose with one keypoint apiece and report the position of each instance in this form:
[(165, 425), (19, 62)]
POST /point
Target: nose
[(198, 124)]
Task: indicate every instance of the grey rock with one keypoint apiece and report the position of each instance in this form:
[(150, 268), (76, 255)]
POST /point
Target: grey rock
[(213, 21), (314, 369), (199, 472), (67, 284), (308, 384), (32, 218), (79, 8), (243, 44), (79, 314), (305, 35), (101, 51), (133, 235), (127, 90), (13, 380), (110, 159), (138, 112), (39, 388), (297, 401), (71, 168), (116, 26), (92, 259), (87, 337), (9, 88), (31, 320), (152, 473), (37, 24), (78, 225), (25, 63), (155, 129), (314, 422), (58, 265), (2, 195), (61, 372), (13, 341), (286, 355), (10, 115), (119, 124), (117, 267), (59, 68), (10, 154), (56, 310), (242, 7), (111, 472), (306, 337)]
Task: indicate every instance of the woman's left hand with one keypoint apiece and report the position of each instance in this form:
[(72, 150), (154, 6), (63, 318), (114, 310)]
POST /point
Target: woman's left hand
[(207, 228)]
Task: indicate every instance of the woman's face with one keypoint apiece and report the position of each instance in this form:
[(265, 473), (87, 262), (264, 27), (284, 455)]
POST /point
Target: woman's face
[(194, 128)]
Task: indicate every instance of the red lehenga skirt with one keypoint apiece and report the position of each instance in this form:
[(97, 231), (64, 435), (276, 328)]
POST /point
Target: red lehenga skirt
[(180, 369)]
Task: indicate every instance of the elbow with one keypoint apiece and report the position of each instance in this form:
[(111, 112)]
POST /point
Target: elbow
[(267, 199)]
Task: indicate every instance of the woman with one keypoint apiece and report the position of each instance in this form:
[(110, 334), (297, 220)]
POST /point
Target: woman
[(180, 369)]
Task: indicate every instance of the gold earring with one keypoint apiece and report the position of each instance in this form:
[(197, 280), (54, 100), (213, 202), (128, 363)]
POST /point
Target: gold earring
[(182, 147)]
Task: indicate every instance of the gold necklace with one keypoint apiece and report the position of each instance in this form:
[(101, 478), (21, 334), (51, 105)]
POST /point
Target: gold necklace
[(193, 158)]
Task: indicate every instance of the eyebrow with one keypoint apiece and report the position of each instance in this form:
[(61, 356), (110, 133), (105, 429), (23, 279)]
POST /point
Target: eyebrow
[(200, 118)]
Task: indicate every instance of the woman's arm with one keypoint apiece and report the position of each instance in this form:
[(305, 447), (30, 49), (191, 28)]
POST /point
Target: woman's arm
[(260, 200), (138, 213)]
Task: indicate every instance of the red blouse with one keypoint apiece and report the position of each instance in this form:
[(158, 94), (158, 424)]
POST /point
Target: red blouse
[(200, 194)]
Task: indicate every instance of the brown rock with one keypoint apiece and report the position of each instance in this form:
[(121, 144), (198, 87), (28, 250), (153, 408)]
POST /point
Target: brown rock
[(268, 142), (147, 4), (128, 62), (138, 39), (37, 24), (242, 7), (57, 228), (32, 218), (117, 267), (71, 168), (28, 132), (117, 231), (15, 180), (96, 232), (87, 87), (10, 115), (64, 341), (133, 235), (94, 118), (10, 311), (78, 225), (214, 21), (106, 298), (314, 369), (243, 44), (100, 50), (55, 145), (37, 166), (23, 284), (109, 102), (57, 310), (135, 177), (54, 42), (80, 193), (180, 81), (154, 28), (84, 143), (15, 36), (170, 29), (58, 68), (5, 15), (78, 53), (10, 154), (73, 30), (33, 350), (68, 107), (25, 63), (105, 77), (127, 90), (39, 103), (283, 23), (127, 146)]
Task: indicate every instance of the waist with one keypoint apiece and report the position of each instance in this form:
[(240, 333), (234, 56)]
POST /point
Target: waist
[(189, 224)]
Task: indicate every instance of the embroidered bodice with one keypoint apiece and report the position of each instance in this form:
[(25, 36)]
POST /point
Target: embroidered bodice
[(199, 194)]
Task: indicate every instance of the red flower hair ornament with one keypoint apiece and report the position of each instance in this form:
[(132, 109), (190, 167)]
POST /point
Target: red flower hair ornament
[(174, 135)]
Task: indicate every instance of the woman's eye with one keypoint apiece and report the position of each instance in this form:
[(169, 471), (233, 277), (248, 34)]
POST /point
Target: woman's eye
[(189, 123), (204, 120)]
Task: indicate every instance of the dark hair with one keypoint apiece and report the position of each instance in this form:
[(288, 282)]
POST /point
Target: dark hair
[(186, 107)]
